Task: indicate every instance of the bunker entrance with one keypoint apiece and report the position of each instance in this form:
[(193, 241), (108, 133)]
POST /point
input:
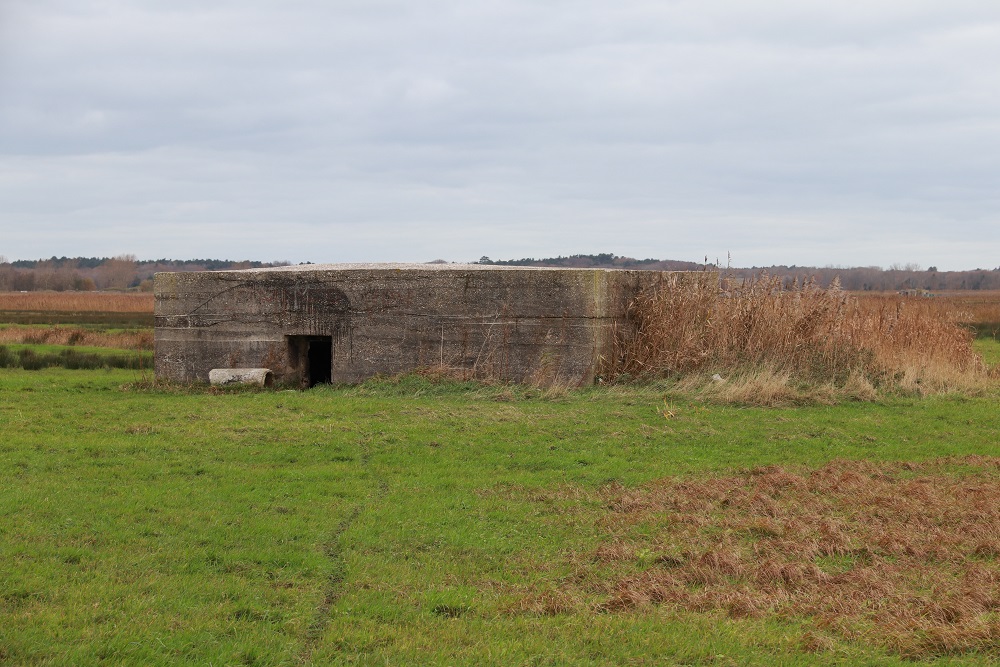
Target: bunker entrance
[(313, 356)]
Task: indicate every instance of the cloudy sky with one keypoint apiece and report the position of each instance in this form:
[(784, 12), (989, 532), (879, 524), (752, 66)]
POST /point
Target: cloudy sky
[(777, 131)]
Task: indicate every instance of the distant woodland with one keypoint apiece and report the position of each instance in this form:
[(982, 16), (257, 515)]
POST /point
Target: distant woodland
[(858, 278), (85, 274), (126, 272)]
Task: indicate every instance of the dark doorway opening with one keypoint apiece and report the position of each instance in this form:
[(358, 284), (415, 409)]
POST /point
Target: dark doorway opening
[(320, 357), (311, 357)]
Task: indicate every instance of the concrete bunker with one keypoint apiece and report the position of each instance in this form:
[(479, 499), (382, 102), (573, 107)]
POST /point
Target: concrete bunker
[(344, 323)]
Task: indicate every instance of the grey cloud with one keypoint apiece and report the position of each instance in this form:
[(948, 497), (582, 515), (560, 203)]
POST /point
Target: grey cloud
[(390, 130)]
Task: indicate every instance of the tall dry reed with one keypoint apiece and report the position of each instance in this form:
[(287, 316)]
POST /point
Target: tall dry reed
[(800, 332), (976, 308)]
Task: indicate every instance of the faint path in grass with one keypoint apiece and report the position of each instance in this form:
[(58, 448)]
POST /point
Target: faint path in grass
[(333, 551)]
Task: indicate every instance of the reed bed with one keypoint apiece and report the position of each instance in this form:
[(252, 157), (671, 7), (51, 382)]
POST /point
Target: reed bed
[(101, 302), (979, 310), (140, 339), (762, 340), (973, 307), (963, 307)]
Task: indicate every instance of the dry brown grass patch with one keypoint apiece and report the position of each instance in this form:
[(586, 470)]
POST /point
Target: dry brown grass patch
[(125, 340), (899, 555)]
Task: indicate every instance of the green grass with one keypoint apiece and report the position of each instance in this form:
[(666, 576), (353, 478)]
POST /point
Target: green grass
[(88, 318), (989, 348), (393, 523), (5, 323), (37, 357), (45, 349)]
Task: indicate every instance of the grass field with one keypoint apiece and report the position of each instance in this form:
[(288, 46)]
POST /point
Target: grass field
[(36, 357), (58, 317), (413, 522), (419, 521), (93, 309), (989, 349)]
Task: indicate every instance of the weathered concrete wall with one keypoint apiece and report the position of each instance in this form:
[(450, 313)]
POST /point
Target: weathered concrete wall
[(499, 322)]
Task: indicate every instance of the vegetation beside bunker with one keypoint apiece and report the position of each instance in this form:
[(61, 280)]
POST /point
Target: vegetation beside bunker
[(778, 342)]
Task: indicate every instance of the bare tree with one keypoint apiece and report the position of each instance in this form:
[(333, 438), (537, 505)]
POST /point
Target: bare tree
[(117, 272)]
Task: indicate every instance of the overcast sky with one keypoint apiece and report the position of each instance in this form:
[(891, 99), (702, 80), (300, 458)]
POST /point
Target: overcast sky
[(782, 132)]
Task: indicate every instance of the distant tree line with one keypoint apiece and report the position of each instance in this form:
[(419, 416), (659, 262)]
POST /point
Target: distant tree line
[(123, 272), (604, 260), (858, 278)]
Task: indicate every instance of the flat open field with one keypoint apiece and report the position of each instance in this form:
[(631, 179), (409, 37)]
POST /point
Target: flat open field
[(418, 521), (122, 310), (415, 522), (76, 319), (80, 302)]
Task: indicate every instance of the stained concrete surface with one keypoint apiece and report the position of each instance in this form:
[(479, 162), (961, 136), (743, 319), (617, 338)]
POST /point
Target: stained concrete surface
[(505, 323)]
